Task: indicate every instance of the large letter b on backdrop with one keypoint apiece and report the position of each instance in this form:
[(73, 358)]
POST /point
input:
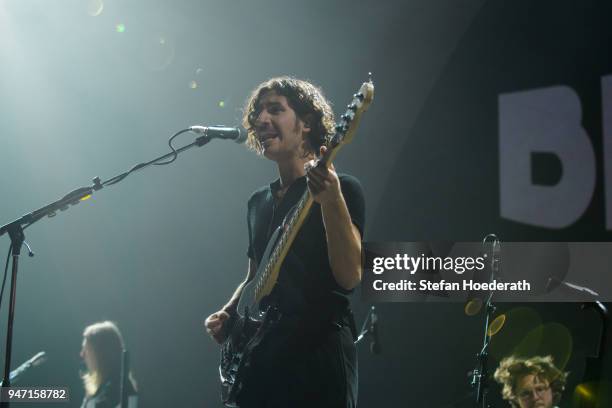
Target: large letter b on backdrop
[(544, 121)]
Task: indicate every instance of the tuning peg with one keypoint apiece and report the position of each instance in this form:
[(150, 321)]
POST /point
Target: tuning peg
[(352, 107), (359, 96), (341, 128)]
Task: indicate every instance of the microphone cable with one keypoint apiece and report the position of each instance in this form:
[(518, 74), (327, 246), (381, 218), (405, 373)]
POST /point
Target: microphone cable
[(174, 152)]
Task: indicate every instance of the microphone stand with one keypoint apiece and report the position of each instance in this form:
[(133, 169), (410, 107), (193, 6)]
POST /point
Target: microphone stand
[(15, 230), (480, 373), (602, 311), (365, 331), (595, 364), (370, 330), (125, 379)]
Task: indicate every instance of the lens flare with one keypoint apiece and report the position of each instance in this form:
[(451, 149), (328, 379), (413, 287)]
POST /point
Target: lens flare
[(95, 7), (157, 52), (518, 323), (496, 325), (594, 394), (585, 391), (473, 306), (547, 339)]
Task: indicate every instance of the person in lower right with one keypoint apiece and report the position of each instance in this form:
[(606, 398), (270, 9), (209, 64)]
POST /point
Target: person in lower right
[(531, 382)]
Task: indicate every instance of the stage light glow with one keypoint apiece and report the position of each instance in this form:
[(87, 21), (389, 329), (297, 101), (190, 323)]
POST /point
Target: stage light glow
[(584, 391), (95, 7), (593, 394), (473, 306), (120, 28), (518, 323), (87, 197), (221, 104), (549, 338), (193, 84), (496, 325)]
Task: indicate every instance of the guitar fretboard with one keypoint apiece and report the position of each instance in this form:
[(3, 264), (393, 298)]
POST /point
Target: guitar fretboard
[(290, 227)]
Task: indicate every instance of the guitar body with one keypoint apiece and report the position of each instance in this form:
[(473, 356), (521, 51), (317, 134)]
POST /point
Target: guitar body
[(246, 330), (236, 354), (239, 352), (257, 315)]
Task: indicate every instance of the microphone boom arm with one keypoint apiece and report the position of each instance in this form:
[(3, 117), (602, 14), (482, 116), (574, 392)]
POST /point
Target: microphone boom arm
[(82, 193)]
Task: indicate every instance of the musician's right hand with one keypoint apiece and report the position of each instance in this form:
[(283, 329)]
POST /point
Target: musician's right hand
[(214, 325)]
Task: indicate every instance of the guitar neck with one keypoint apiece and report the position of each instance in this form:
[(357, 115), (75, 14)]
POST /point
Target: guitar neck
[(289, 232), (290, 229)]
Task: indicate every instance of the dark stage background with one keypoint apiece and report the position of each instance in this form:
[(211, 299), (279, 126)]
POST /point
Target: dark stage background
[(91, 87)]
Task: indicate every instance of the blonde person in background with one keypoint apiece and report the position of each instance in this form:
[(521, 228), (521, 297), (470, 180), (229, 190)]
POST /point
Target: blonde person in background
[(531, 382), (101, 352)]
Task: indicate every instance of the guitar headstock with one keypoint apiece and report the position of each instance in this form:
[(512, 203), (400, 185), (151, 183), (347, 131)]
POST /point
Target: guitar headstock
[(346, 127)]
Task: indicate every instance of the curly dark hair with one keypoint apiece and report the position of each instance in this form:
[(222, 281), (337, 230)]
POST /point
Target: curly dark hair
[(512, 369), (306, 99)]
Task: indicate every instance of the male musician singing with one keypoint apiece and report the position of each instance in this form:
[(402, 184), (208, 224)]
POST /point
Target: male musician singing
[(309, 358)]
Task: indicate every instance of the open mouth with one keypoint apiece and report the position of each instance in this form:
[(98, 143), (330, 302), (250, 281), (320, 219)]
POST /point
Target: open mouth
[(267, 137)]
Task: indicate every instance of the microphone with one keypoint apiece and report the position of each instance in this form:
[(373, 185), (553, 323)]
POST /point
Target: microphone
[(220, 132), (38, 359), (553, 281), (375, 345)]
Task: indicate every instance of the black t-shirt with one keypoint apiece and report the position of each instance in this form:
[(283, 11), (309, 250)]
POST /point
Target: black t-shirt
[(306, 280)]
